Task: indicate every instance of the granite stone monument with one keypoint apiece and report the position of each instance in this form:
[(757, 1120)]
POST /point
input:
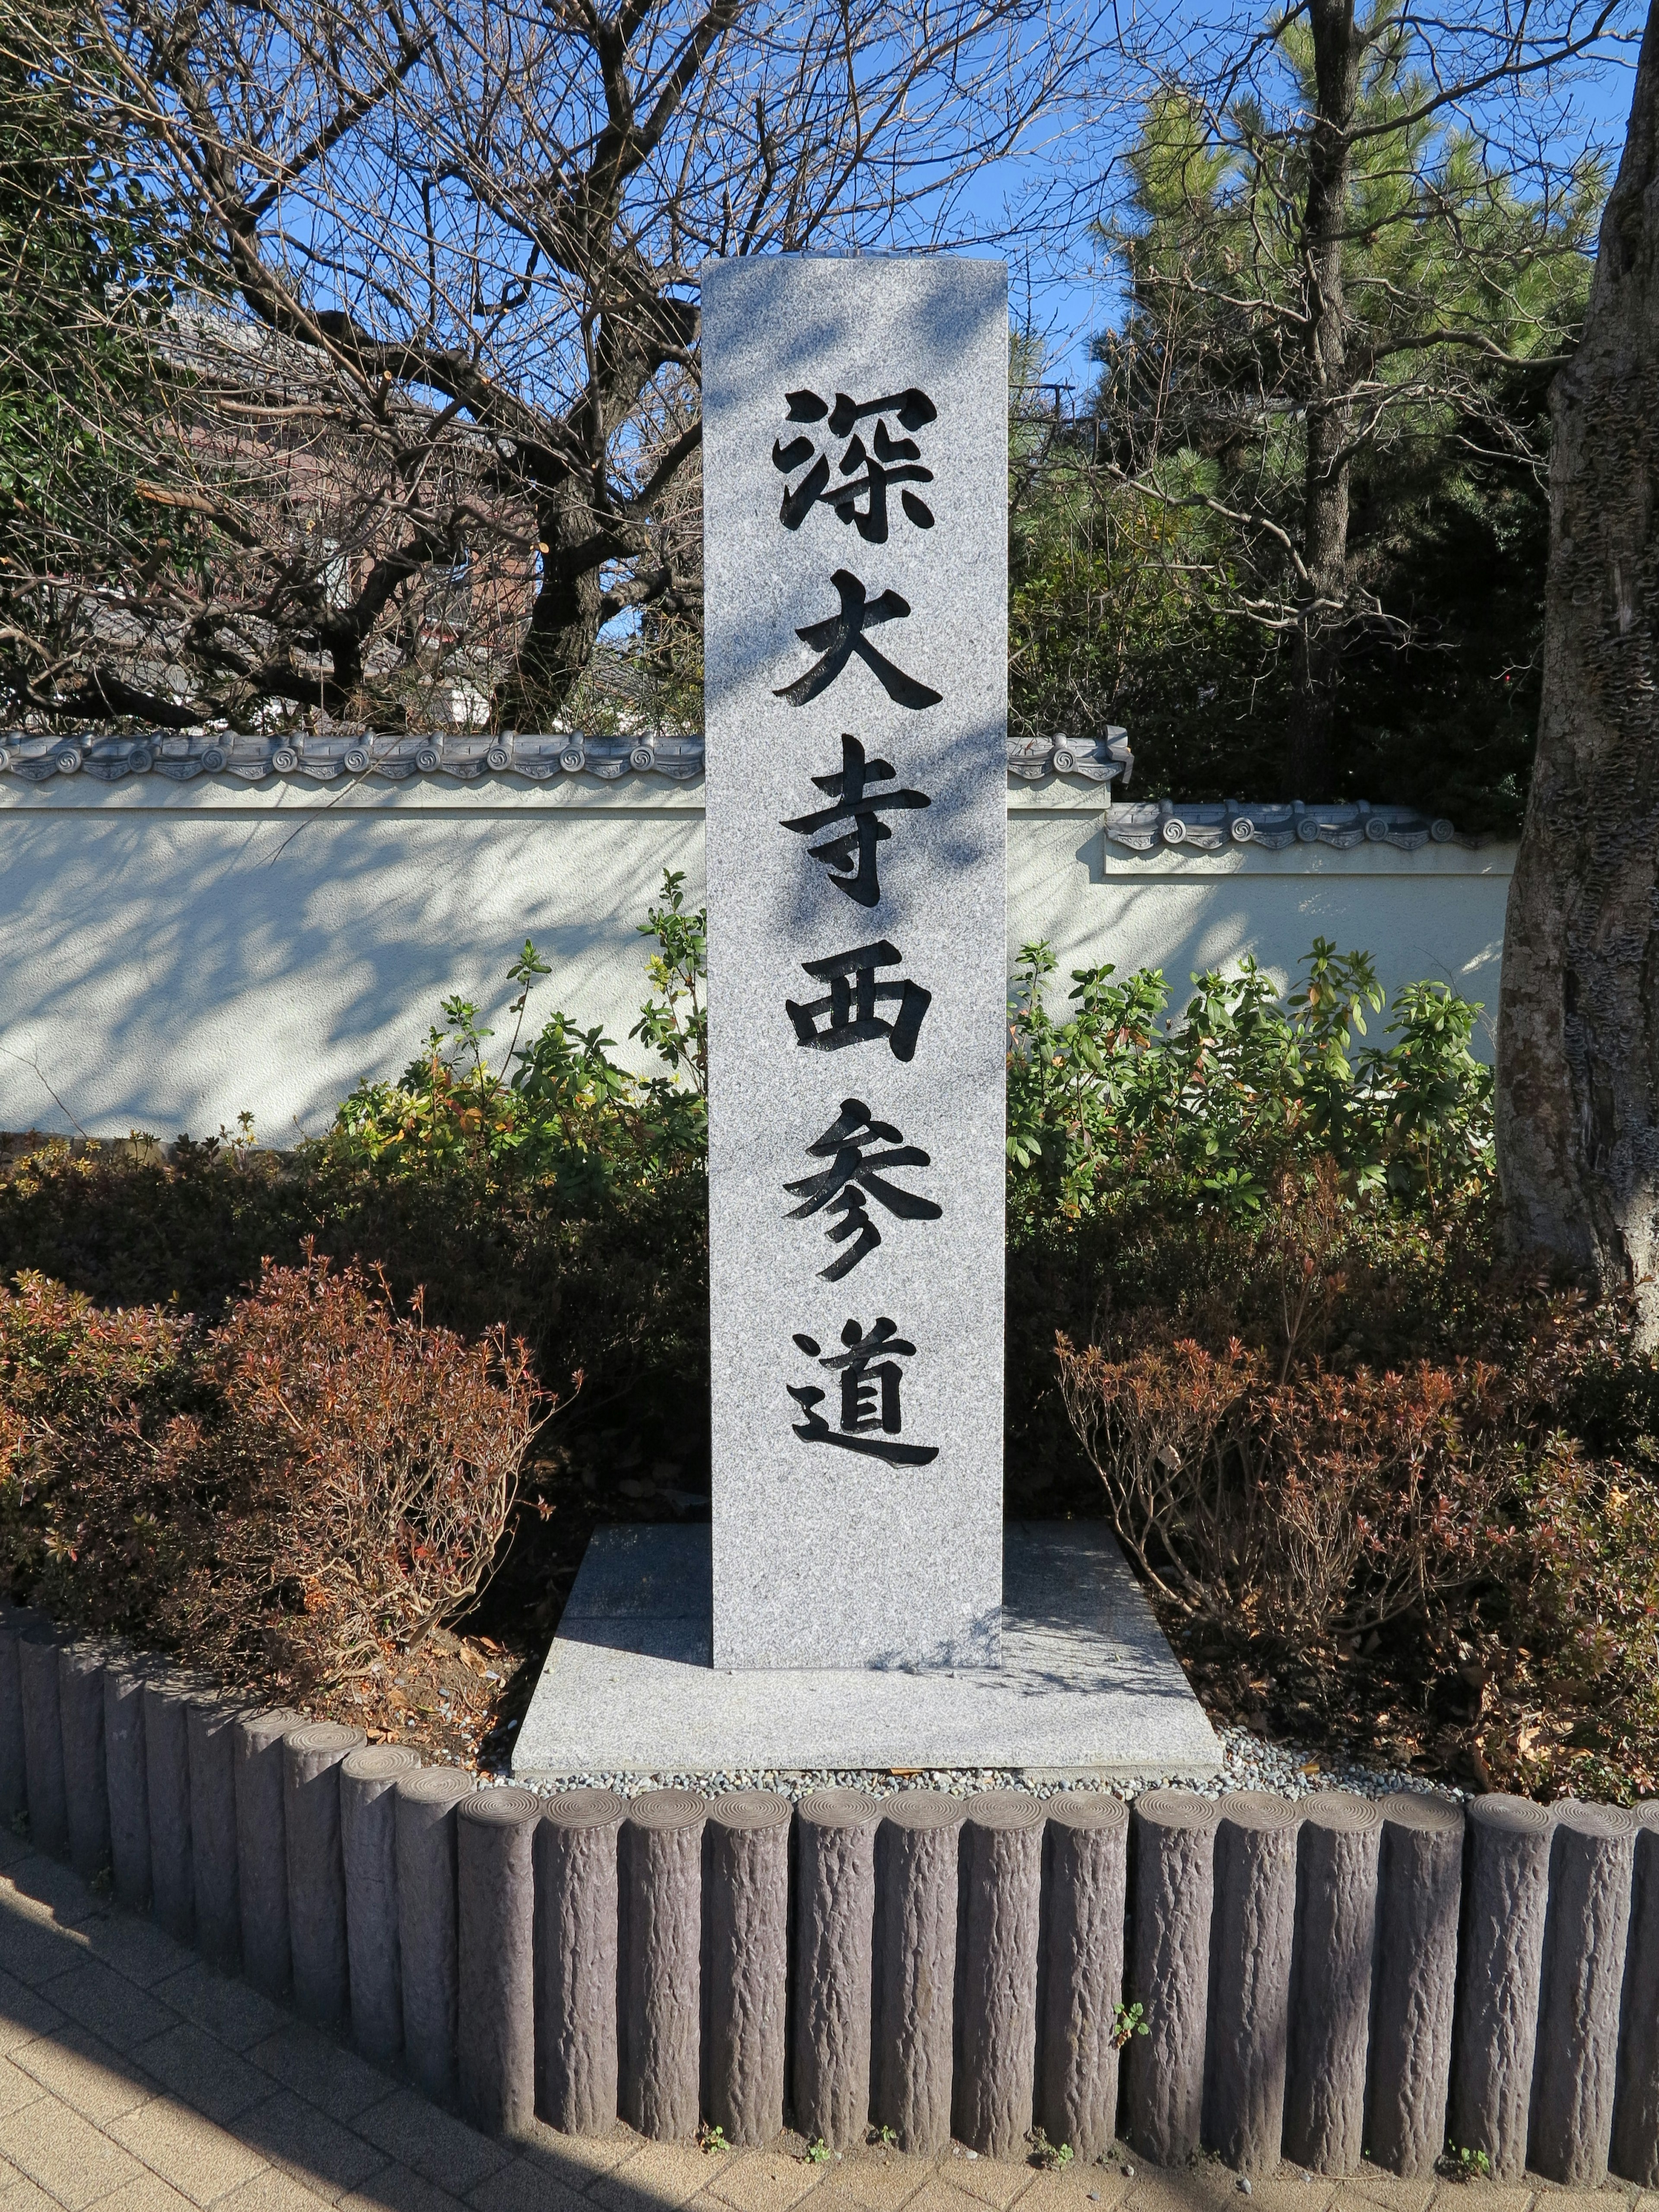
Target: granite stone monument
[(856, 472)]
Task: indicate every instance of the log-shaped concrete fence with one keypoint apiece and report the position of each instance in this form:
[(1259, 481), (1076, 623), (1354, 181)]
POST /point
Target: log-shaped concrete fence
[(1331, 1980)]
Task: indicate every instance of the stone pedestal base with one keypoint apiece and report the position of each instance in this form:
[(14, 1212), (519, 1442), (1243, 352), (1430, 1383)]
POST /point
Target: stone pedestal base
[(1087, 1686)]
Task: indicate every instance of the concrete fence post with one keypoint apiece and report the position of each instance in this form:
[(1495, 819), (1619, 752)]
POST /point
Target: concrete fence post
[(660, 1962), (43, 1740), (745, 1965), (1592, 1859), (86, 1784), (834, 1843), (918, 1857), (1173, 1838), (428, 1941), (1338, 1856), (1636, 2107), (1505, 1896), (318, 1958), (368, 1850), (14, 1765), (166, 1789), (496, 1918), (577, 1913), (125, 1778), (1419, 1890), (211, 1739), (261, 1845), (1080, 1976), (1247, 2045), (1000, 1919)]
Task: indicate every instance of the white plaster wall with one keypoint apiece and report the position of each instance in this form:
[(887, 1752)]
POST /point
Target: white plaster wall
[(173, 954)]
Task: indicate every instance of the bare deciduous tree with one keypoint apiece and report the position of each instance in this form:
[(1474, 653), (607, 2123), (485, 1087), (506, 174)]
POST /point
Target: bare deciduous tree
[(1577, 1095), (449, 328)]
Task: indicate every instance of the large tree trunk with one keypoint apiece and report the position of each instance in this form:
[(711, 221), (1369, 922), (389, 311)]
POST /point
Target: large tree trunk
[(1578, 1038), (1317, 644)]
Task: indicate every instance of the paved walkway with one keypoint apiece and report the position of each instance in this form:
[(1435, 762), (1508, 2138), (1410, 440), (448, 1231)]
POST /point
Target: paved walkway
[(135, 2079)]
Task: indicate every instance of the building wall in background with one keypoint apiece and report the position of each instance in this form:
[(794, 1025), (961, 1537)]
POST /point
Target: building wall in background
[(177, 954)]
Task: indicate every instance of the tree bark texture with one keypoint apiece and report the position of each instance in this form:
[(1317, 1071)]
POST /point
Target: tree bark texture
[(1337, 1852), (1636, 2109), (745, 1963), (1317, 640), (316, 1868), (1247, 2045), (1174, 1838), (834, 1948), (1080, 1979), (167, 1786), (661, 1963), (124, 1775), (428, 1940), (1592, 1858), (369, 1846), (262, 1846), (918, 1848), (1420, 1896), (211, 1739), (495, 1916), (1505, 1894), (86, 1788), (13, 1770), (1578, 1100), (576, 1926), (43, 1741), (997, 1971)]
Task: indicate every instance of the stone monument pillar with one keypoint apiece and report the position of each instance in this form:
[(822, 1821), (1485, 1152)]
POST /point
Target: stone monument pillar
[(855, 506)]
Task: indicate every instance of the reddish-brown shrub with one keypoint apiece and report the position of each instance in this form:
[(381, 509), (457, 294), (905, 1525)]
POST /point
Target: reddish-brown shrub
[(1324, 1504), (362, 1465), (320, 1477), (91, 1525)]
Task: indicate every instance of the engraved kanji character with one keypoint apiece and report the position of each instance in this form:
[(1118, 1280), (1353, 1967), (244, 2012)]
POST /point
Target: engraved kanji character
[(846, 1015), (836, 639), (854, 1170), (869, 1381), (863, 808), (893, 461)]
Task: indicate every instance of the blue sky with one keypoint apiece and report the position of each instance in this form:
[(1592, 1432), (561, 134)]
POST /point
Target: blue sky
[(1064, 289)]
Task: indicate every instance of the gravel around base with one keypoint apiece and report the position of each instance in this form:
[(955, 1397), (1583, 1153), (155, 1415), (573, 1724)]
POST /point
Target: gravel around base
[(1248, 1762)]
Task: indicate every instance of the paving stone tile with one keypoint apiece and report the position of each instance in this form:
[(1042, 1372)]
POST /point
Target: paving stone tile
[(50, 1887), (525, 2185), (578, 2161), (324, 2153), (993, 2180), (445, 2149), (18, 2195), (941, 2196), (1077, 2188), (399, 2188), (137, 1947), (880, 2180), (110, 2005), (334, 2079), (35, 1951), (148, 2193), (24, 2014), (837, 2193), (72, 2161), (657, 2174), (78, 2066), (203, 2160), (1392, 2192), (762, 2181), (201, 2071), (274, 2191), (17, 2088), (1608, 2198), (231, 2010)]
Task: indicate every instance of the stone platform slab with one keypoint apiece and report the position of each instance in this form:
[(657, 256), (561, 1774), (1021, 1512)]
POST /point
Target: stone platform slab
[(1087, 1686)]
